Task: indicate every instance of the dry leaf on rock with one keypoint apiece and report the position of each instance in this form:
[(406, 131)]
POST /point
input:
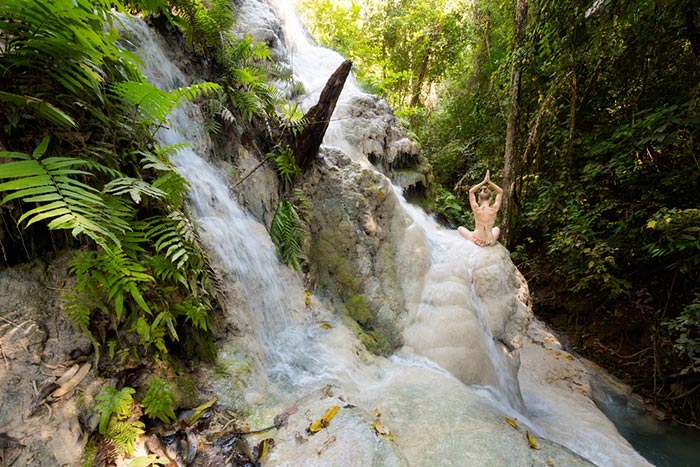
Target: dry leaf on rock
[(326, 443), (531, 440), (323, 422), (381, 430)]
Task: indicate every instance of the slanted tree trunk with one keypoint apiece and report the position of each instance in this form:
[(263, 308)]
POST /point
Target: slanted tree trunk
[(306, 145), (513, 123)]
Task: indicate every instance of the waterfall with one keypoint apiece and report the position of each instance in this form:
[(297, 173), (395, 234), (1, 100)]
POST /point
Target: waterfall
[(437, 418)]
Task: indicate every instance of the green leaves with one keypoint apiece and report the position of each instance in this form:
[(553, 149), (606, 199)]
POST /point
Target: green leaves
[(65, 202), (288, 231), (153, 104), (113, 402), (159, 400), (287, 168)]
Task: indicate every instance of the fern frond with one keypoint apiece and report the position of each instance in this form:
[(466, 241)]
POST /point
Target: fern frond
[(196, 313), (286, 165), (288, 232), (152, 103), (173, 236), (124, 434), (64, 202), (134, 187), (193, 91), (41, 107), (159, 400), (113, 402)]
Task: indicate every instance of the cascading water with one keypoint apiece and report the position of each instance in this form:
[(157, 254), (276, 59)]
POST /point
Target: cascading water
[(434, 415)]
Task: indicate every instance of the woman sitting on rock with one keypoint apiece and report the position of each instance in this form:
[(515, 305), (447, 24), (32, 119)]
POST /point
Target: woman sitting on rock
[(484, 234)]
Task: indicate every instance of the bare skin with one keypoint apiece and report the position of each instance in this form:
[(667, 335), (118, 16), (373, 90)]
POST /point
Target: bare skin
[(484, 234)]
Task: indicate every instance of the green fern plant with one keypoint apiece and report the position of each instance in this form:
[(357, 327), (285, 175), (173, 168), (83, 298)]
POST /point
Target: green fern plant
[(40, 52), (119, 417), (64, 201), (153, 104), (159, 401), (287, 168), (289, 229)]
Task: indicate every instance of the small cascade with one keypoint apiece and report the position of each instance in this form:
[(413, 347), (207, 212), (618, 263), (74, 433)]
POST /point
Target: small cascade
[(451, 324), (240, 246)]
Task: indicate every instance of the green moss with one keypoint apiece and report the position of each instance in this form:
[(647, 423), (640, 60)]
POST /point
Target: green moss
[(357, 309), (374, 341), (333, 271), (185, 391)]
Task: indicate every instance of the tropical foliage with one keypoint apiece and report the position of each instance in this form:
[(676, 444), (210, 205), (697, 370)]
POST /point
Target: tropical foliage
[(91, 167)]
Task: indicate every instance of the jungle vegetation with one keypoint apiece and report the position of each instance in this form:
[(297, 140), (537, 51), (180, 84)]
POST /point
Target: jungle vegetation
[(596, 106), (80, 168)]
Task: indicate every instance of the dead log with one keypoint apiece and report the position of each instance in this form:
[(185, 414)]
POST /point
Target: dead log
[(305, 146)]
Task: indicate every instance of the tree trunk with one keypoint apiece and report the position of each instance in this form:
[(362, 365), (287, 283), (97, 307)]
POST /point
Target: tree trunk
[(421, 77), (306, 145), (513, 124)]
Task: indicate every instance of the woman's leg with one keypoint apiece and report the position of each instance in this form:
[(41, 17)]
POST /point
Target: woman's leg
[(496, 231), (465, 233)]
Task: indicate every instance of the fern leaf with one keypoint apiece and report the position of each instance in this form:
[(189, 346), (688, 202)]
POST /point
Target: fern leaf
[(65, 202), (159, 401), (125, 433), (193, 91), (287, 232), (134, 187), (41, 107), (112, 401)]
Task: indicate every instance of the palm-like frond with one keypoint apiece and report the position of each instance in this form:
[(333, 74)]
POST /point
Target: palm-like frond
[(154, 104), (64, 201), (288, 232)]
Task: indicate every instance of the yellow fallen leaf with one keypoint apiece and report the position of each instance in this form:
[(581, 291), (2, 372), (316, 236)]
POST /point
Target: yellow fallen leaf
[(323, 422), (307, 298), (377, 413), (511, 422), (550, 463), (200, 410), (326, 326), (531, 440)]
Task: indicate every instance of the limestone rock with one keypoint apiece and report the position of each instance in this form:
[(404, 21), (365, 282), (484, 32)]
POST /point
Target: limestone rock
[(472, 299), (369, 126), (357, 229), (35, 341)]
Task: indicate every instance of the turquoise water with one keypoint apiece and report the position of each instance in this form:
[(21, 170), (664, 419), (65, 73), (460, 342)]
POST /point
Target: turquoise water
[(662, 443)]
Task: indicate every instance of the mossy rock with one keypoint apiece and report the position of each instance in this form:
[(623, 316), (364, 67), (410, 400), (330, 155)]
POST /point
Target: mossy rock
[(358, 310), (185, 390)]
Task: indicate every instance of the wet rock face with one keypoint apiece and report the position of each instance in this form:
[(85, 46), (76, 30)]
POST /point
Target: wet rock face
[(369, 125), (356, 230), (257, 18), (35, 342), (464, 287)]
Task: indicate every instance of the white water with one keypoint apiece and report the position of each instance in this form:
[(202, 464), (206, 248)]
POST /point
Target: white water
[(424, 403)]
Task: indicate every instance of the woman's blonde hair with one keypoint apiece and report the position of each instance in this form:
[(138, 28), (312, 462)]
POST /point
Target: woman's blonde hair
[(484, 194)]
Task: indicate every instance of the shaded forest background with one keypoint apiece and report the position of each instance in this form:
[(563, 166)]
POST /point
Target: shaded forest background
[(599, 102)]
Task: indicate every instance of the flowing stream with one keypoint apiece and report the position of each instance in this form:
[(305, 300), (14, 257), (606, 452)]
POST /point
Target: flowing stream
[(421, 401)]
